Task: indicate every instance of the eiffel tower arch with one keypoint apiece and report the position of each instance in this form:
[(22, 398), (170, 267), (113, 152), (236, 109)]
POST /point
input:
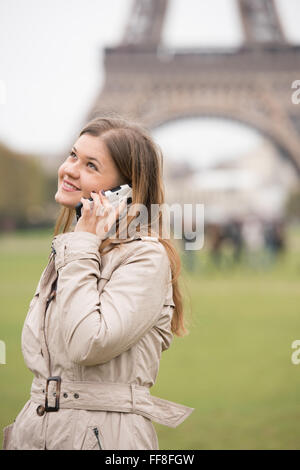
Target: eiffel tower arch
[(251, 84)]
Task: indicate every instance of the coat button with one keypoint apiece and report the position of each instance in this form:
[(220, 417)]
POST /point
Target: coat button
[(40, 410), (76, 395), (65, 395)]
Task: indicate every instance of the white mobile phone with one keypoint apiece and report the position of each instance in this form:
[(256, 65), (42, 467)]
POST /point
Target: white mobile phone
[(114, 196)]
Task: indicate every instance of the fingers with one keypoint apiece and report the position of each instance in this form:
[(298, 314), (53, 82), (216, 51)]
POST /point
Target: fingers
[(102, 206), (98, 209), (120, 207), (86, 206), (102, 212), (104, 201), (96, 202), (115, 214)]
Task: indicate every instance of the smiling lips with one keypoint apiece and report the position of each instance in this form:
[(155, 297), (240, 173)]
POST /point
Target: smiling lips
[(69, 186)]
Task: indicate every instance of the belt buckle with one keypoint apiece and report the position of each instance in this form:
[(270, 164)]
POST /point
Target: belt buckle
[(56, 379)]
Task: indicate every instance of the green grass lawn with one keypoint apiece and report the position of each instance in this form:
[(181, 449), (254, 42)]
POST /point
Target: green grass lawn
[(234, 367)]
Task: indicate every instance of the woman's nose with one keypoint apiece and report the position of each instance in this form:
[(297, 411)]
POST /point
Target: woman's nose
[(73, 171)]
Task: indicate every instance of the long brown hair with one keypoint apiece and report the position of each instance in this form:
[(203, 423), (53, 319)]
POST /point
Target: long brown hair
[(139, 161)]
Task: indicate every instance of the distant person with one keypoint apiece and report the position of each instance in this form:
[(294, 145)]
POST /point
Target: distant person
[(274, 238), (253, 237), (216, 237), (232, 232)]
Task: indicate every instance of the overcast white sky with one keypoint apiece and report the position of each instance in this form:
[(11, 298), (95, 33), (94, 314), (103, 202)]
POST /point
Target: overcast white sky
[(51, 59)]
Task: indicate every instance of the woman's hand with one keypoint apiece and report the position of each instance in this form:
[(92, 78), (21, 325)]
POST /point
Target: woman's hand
[(100, 218)]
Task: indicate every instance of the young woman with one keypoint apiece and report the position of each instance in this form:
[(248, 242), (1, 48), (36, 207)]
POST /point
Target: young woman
[(105, 307)]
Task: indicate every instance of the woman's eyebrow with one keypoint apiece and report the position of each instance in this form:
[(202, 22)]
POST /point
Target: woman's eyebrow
[(89, 158)]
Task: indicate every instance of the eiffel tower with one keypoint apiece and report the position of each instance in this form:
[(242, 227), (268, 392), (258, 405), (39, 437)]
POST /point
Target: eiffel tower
[(252, 84)]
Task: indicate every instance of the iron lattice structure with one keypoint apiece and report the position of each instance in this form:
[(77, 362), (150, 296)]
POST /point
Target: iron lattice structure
[(251, 84)]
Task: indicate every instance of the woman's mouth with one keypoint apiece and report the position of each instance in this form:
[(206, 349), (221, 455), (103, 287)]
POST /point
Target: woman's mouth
[(69, 187)]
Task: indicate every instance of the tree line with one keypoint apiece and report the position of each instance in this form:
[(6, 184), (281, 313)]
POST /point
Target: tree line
[(26, 191)]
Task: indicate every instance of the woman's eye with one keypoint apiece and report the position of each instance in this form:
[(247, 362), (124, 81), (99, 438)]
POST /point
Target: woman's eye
[(92, 164), (73, 154)]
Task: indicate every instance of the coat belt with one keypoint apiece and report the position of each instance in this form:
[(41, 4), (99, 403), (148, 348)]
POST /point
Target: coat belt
[(110, 396)]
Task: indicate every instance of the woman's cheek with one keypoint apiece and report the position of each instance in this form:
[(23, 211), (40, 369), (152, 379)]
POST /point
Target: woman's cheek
[(60, 171)]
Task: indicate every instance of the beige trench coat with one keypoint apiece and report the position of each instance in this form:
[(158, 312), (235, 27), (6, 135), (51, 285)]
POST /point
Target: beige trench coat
[(101, 338)]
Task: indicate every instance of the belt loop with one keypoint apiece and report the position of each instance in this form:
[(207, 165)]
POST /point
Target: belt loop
[(132, 397)]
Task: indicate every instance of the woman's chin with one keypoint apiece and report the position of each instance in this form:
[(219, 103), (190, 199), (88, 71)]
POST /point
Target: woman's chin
[(65, 200)]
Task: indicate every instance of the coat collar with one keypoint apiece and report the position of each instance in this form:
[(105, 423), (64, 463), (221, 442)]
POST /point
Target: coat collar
[(136, 236)]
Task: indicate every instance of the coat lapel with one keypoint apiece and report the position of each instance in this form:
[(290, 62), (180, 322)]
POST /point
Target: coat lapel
[(48, 278)]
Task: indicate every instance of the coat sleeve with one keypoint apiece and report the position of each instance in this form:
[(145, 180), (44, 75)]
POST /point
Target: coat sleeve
[(98, 327)]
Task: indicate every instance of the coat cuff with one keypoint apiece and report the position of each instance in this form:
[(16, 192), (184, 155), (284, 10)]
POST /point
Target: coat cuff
[(72, 246)]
